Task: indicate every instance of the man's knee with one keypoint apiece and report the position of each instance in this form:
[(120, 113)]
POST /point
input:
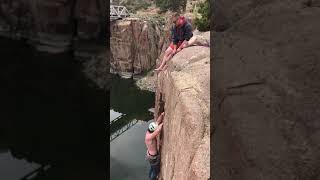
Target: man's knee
[(169, 57), (168, 51)]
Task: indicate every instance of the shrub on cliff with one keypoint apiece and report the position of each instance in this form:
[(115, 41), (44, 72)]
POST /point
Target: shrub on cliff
[(134, 6), (173, 5), (202, 16)]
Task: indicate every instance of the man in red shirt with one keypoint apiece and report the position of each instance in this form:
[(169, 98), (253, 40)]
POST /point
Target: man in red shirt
[(181, 33)]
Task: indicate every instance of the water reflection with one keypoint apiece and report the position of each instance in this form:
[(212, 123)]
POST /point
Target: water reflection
[(129, 118), (50, 115), (132, 103), (127, 154), (128, 99), (15, 168), (115, 115)]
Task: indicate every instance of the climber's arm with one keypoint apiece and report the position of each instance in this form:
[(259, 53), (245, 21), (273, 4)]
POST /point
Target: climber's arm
[(160, 118)]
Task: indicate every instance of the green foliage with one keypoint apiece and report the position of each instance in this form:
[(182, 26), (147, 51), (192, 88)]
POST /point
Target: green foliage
[(203, 13), (162, 4), (135, 5), (173, 5)]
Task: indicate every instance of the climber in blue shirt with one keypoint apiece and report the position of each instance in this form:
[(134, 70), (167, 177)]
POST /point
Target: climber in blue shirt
[(181, 33)]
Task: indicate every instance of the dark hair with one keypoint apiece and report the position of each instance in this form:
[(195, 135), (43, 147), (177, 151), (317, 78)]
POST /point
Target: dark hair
[(176, 14)]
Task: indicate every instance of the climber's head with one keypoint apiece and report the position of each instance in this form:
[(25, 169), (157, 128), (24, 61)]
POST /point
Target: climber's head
[(152, 127)]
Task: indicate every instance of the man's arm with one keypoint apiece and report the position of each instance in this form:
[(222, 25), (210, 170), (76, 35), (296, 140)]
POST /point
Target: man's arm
[(160, 118), (174, 46), (187, 36), (174, 38), (156, 132), (172, 34), (188, 32), (174, 49), (185, 42)]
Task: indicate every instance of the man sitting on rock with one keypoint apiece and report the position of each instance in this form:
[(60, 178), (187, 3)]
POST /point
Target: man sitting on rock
[(181, 37), (153, 156), (180, 33)]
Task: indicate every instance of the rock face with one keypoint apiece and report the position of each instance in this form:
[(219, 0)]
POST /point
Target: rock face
[(135, 46), (57, 26), (267, 63), (52, 25), (148, 82), (183, 91)]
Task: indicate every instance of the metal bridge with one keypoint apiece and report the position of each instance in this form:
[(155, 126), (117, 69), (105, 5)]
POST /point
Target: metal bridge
[(118, 12), (123, 129), (34, 174), (116, 119)]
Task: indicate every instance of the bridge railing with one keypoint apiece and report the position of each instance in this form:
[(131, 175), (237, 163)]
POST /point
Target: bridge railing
[(116, 119), (122, 130), (118, 12)]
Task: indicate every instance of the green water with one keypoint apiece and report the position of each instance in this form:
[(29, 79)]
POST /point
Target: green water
[(127, 150)]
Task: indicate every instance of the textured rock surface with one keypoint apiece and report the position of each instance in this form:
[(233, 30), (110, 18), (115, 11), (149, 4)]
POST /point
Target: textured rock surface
[(52, 25), (267, 67), (135, 46), (148, 82), (184, 88)]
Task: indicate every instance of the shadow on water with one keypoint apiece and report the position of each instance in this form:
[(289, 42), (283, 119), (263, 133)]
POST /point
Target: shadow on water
[(50, 115)]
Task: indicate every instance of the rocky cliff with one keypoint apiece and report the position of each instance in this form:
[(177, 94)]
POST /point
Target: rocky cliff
[(53, 26), (267, 63), (183, 92), (60, 26), (135, 46)]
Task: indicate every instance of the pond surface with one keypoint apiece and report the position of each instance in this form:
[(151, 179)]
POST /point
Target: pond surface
[(13, 168), (52, 123), (129, 117), (53, 120)]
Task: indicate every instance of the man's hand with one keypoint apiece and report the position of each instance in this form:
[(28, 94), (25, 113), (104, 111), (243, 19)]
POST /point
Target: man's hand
[(185, 45), (160, 126), (174, 51), (182, 46), (160, 118)]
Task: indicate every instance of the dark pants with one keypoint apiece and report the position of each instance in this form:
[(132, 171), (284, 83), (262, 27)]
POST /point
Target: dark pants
[(154, 166), (154, 171)]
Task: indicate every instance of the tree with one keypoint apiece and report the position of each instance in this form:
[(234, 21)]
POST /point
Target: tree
[(173, 5), (203, 20)]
